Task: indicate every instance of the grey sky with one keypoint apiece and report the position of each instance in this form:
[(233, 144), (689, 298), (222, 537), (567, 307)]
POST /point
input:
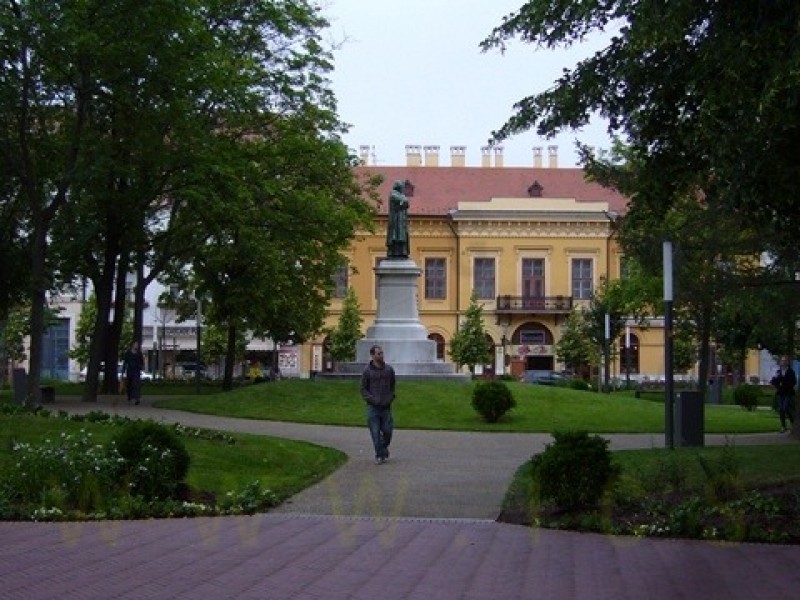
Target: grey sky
[(411, 72)]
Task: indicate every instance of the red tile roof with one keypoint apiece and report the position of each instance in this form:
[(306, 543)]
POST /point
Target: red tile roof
[(439, 189)]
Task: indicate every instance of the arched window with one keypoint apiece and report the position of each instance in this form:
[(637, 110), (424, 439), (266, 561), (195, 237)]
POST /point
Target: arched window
[(327, 359), (532, 334), (439, 345)]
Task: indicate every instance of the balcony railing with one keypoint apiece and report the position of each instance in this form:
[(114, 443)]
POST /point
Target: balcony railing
[(534, 304)]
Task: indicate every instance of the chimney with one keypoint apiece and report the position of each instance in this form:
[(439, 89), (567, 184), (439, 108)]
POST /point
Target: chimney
[(458, 156), (431, 156), (486, 156), (363, 155), (498, 156), (413, 156), (537, 157), (552, 157)]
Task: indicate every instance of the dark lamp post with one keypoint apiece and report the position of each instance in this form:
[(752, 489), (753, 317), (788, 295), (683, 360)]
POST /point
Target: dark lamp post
[(199, 317), (669, 424), (607, 355), (627, 357)]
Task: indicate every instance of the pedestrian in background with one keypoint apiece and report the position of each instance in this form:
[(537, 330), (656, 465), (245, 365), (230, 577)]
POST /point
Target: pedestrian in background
[(132, 367), (377, 390), (784, 381)]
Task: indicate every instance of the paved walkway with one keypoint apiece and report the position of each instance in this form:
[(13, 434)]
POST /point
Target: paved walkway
[(421, 526)]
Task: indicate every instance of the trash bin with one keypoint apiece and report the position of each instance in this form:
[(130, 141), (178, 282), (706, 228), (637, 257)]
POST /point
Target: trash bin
[(19, 379), (689, 425), (716, 390), (48, 393)]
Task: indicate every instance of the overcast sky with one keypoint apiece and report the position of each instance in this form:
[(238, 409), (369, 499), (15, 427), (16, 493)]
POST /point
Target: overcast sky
[(411, 72)]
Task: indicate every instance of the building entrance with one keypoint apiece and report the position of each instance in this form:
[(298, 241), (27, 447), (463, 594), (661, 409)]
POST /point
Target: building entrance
[(539, 363)]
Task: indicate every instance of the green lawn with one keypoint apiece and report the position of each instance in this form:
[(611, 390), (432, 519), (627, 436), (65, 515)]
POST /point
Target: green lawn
[(447, 406)]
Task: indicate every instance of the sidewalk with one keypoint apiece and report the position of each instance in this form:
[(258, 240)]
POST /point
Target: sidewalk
[(421, 526)]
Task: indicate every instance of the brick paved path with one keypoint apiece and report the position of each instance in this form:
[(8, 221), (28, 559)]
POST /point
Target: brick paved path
[(315, 557)]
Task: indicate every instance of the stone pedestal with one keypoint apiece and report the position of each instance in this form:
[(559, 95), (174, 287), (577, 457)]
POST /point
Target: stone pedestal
[(397, 328)]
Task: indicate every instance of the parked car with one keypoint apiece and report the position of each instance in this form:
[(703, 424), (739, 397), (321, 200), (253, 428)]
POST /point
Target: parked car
[(189, 369), (541, 377), (270, 374)]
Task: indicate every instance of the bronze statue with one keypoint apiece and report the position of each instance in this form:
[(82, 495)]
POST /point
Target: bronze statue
[(397, 244)]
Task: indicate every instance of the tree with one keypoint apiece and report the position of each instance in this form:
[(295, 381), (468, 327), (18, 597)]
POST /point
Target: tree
[(86, 327), (127, 128), (577, 347), (342, 340), (15, 328), (468, 346), (705, 92), (705, 95)]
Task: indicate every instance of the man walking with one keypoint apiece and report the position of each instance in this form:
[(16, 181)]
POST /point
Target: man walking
[(132, 366), (377, 389), (784, 382)]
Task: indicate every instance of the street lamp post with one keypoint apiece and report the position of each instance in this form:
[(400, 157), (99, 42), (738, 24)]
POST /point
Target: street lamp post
[(503, 342), (162, 346), (607, 355), (199, 316), (669, 425), (162, 316), (627, 357)]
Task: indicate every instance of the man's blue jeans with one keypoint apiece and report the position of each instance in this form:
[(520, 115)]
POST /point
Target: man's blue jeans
[(381, 425), (785, 409)]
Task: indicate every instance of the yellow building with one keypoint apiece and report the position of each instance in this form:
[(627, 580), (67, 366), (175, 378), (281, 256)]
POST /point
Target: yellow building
[(532, 242)]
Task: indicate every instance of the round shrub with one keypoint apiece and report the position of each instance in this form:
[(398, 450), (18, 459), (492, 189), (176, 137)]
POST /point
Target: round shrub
[(492, 399), (576, 383), (156, 461), (574, 471), (747, 395)]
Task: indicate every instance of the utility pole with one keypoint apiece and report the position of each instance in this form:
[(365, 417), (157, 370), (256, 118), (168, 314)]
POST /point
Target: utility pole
[(669, 413)]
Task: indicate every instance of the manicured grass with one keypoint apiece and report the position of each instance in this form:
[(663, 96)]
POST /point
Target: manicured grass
[(283, 466), (447, 406), (756, 464)]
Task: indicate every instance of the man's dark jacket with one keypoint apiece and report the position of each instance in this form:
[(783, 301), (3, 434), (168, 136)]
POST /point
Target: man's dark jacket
[(377, 385)]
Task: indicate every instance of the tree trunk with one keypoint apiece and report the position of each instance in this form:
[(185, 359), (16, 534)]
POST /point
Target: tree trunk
[(230, 359), (103, 289), (38, 297), (704, 329)]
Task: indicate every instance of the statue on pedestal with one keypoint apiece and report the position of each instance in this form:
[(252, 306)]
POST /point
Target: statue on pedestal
[(397, 244)]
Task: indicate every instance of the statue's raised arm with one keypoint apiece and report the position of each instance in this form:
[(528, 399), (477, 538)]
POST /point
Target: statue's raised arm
[(397, 244)]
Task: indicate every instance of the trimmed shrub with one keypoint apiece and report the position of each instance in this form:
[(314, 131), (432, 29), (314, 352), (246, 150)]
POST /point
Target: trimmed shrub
[(156, 461), (574, 471), (746, 396), (576, 383), (492, 399)]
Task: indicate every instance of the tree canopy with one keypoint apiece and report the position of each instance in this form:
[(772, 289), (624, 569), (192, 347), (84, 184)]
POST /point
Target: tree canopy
[(704, 93), (704, 98), (137, 137)]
